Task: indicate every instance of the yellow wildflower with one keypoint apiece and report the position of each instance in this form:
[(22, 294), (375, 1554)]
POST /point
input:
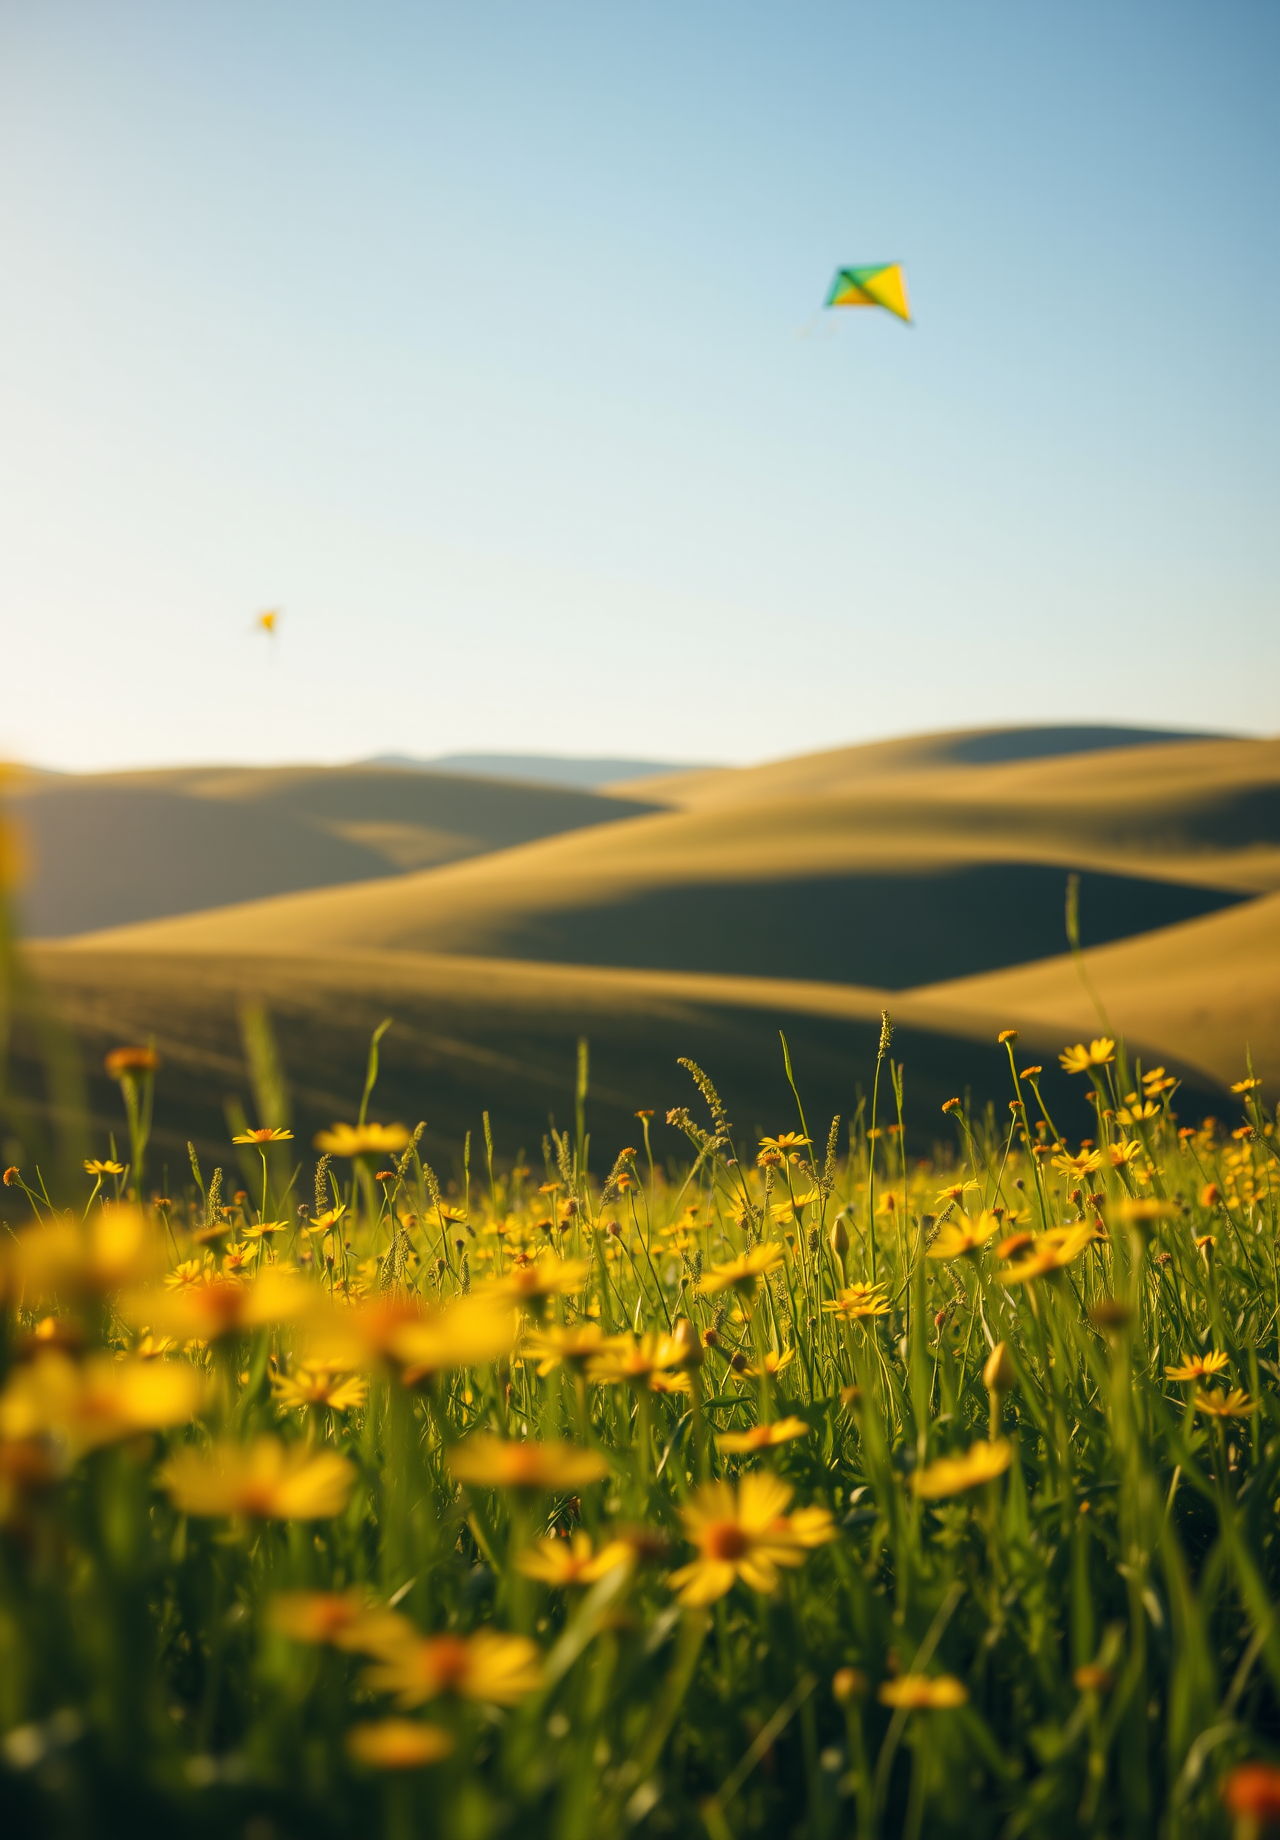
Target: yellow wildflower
[(265, 1479), (762, 1437), (470, 1332), (97, 1403), (265, 1229), (313, 1384), (187, 1271), (640, 1361), (1142, 1209), (96, 1166), (957, 1238), (1136, 1110), (568, 1562), (363, 1139), (548, 1276), (575, 1346), (1077, 1167), (269, 1134), (953, 1475), (1202, 1368), (858, 1300), (316, 1616), (324, 1223), (1124, 1151), (151, 1347), (214, 1307), (954, 1192), (1079, 1059), (1235, 1404), (397, 1744), (114, 1247), (740, 1274), (923, 1692), (774, 1364), (496, 1669), (501, 1463), (744, 1534), (121, 1063), (1050, 1252)]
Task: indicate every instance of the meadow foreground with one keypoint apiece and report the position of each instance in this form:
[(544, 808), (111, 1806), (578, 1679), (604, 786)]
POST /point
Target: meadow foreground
[(804, 1489)]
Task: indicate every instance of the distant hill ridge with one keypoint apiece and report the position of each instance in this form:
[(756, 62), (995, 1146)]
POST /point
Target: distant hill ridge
[(115, 849), (541, 769)]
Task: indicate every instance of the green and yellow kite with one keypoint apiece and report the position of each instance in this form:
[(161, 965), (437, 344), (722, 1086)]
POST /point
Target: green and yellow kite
[(883, 284)]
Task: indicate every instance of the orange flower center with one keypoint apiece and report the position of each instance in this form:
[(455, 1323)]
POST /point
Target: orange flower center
[(446, 1658), (333, 1614), (523, 1465), (1254, 1789), (725, 1540), (256, 1498), (223, 1303)]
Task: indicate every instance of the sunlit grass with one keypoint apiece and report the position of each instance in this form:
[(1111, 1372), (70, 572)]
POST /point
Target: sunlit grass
[(806, 1488)]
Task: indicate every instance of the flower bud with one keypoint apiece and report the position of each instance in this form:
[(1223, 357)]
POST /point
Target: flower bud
[(839, 1237), (686, 1335), (999, 1374), (848, 1683)]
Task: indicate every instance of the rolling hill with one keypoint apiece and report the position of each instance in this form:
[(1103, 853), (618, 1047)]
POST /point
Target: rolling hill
[(107, 849), (890, 877), (925, 876)]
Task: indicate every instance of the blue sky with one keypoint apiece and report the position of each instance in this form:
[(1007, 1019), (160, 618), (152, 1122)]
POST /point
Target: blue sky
[(485, 341)]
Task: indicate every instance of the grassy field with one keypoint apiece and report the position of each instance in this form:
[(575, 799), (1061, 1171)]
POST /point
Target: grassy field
[(783, 1482)]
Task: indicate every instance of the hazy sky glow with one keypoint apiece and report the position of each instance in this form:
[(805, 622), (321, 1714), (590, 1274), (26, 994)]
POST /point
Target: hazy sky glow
[(484, 341)]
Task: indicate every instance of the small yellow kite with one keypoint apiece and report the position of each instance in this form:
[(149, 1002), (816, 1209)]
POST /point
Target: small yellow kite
[(882, 284), (266, 622)]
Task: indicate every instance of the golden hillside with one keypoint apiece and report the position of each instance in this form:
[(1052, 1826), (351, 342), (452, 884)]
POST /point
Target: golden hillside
[(109, 848), (821, 891), (896, 878)]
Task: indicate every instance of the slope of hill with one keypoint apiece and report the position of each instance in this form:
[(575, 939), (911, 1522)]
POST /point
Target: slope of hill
[(836, 768), (849, 882), (106, 849), (1206, 991), (916, 877), (475, 1034)]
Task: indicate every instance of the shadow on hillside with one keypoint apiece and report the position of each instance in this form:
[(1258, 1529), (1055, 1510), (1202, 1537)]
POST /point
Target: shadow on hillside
[(891, 932), (449, 1060)]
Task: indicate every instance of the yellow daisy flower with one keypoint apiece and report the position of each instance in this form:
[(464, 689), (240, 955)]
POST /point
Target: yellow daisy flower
[(744, 1534), (266, 1479), (953, 1475)]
